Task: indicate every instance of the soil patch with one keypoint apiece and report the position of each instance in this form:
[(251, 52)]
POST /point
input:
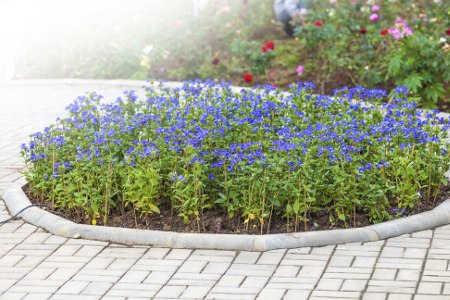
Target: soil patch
[(216, 221)]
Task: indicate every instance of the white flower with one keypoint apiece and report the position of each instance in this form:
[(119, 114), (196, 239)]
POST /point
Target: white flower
[(147, 49)]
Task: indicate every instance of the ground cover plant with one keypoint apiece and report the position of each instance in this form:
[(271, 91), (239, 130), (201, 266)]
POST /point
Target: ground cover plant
[(252, 155)]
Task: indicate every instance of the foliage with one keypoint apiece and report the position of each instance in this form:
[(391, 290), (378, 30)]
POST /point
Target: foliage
[(371, 43), (421, 65), (395, 43), (253, 154)]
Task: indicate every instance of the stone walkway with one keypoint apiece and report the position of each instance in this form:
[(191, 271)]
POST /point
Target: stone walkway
[(37, 265)]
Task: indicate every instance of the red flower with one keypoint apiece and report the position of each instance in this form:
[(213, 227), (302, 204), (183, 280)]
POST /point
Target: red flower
[(270, 45), (384, 32), (363, 31), (264, 48), (447, 31), (248, 77), (318, 23), (215, 61)]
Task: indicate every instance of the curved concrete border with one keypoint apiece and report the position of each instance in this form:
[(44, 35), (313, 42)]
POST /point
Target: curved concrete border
[(16, 200)]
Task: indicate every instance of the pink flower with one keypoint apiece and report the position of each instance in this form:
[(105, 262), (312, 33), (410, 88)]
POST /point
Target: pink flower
[(300, 70), (401, 29), (375, 8), (374, 17)]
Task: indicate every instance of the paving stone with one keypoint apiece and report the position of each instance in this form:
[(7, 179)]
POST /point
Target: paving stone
[(341, 261), (271, 294), (364, 262), (310, 272), (216, 268), (171, 291), (430, 288), (5, 284), (334, 295), (291, 283), (178, 254), (436, 264), (329, 284), (354, 285), (73, 287), (157, 265), (246, 257), (158, 277), (384, 274), (10, 260), (190, 266), (134, 276), (230, 281), (286, 271), (34, 296), (195, 292), (297, 294), (157, 253), (255, 282), (271, 257), (399, 263), (13, 295), (408, 275), (446, 290), (248, 270), (414, 253), (430, 297), (63, 274), (122, 264), (185, 279), (347, 273), (400, 297), (39, 273), (134, 290), (374, 296)]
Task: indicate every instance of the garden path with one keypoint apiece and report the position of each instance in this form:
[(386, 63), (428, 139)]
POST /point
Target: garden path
[(35, 264)]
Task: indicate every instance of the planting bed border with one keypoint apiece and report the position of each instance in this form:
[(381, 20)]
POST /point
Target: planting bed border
[(16, 200)]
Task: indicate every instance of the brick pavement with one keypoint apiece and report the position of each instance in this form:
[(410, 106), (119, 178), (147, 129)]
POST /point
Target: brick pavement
[(38, 265)]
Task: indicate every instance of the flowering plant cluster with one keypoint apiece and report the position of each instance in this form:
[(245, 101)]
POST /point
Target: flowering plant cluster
[(379, 44), (252, 155)]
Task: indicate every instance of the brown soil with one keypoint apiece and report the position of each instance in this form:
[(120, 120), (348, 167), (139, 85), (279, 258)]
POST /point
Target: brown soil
[(215, 221)]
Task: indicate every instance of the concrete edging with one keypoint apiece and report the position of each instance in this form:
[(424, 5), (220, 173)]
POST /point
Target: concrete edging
[(16, 200)]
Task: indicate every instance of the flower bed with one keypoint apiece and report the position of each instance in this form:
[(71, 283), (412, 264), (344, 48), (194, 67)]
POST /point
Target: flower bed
[(252, 156)]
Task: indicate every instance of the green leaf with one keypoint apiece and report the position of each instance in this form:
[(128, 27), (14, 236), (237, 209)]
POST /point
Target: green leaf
[(413, 82)]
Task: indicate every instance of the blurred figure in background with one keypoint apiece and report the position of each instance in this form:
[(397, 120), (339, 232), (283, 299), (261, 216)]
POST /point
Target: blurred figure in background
[(291, 11)]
